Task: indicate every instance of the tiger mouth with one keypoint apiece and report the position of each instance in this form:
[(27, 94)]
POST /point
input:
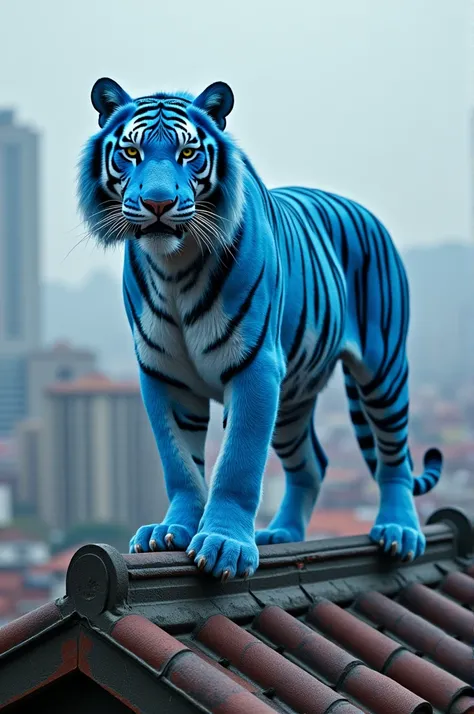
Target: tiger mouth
[(159, 229)]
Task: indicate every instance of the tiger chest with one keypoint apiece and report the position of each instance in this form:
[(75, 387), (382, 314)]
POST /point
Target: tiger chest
[(188, 344)]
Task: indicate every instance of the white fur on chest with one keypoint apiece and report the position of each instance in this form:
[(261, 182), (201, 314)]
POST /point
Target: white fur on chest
[(185, 356)]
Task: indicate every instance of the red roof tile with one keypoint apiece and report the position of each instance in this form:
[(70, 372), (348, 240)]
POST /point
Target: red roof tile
[(213, 689), (291, 684), (453, 618), (147, 641), (460, 587), (208, 685), (464, 705), (371, 690), (419, 634), (383, 654), (25, 627)]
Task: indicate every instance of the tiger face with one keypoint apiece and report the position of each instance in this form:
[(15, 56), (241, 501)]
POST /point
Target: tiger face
[(161, 168)]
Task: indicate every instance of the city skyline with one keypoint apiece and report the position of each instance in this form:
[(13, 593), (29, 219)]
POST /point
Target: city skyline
[(387, 93)]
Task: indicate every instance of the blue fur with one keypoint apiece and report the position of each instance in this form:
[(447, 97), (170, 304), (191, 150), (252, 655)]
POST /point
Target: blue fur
[(296, 280)]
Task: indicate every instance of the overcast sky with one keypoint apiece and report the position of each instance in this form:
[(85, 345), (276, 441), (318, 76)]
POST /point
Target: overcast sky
[(380, 90)]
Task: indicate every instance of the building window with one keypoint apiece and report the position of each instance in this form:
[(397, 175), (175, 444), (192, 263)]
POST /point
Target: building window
[(64, 373)]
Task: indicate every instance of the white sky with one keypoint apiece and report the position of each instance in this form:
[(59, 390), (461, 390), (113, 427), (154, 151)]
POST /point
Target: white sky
[(369, 98)]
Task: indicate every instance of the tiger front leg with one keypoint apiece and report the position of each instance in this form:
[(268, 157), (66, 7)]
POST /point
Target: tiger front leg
[(225, 543), (179, 421)]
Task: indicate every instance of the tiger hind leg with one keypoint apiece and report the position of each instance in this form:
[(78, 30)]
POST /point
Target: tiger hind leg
[(382, 396), (304, 463)]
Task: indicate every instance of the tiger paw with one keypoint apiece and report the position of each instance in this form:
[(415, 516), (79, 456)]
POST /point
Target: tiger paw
[(267, 536), (396, 540), (224, 557), (161, 536)]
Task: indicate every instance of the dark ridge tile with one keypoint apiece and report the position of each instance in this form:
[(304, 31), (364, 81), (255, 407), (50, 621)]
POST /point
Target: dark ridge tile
[(28, 625), (448, 615), (414, 631), (292, 685), (380, 652), (459, 586), (374, 692)]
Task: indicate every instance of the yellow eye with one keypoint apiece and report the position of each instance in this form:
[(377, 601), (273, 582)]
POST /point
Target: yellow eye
[(187, 153), (131, 152)]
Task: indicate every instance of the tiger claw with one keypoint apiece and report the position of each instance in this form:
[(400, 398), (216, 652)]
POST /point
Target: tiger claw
[(394, 548), (138, 548), (201, 563), (169, 540), (225, 576), (191, 554), (153, 545)]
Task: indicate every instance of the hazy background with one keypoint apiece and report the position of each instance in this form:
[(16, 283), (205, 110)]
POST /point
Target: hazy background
[(367, 98), (383, 88)]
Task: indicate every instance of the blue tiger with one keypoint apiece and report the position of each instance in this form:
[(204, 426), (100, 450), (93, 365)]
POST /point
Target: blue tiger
[(250, 297)]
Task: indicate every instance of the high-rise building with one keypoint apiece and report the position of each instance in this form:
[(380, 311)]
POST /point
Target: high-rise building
[(19, 264), (99, 459), (29, 435)]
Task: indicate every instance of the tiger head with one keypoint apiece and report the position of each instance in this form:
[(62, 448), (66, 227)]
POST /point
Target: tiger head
[(161, 169)]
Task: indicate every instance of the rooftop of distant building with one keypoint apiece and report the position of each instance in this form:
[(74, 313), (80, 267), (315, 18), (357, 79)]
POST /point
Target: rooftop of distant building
[(94, 383)]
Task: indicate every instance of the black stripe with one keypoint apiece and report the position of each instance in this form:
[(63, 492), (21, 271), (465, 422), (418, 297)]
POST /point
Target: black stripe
[(295, 469), (144, 289), (366, 442), (231, 372), (197, 419), (237, 319), (352, 392), (195, 266), (372, 464), (294, 449), (185, 426), (139, 326), (358, 418), (298, 338), (96, 163), (160, 376), (214, 288)]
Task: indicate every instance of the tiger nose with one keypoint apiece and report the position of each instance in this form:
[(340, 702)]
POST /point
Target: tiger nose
[(156, 207)]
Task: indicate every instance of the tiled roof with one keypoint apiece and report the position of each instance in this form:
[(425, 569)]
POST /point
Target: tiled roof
[(94, 383), (324, 627)]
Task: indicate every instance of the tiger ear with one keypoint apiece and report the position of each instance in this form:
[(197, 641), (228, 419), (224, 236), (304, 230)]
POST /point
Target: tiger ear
[(106, 97), (217, 101)]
